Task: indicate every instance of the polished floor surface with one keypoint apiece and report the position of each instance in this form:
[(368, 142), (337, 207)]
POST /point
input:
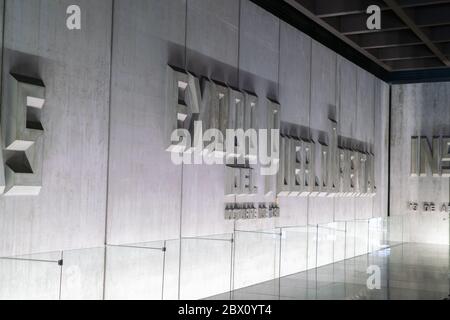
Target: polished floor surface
[(408, 272)]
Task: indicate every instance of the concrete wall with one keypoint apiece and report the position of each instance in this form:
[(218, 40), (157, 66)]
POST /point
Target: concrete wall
[(144, 187), (75, 67), (419, 110), (240, 44), (105, 161)]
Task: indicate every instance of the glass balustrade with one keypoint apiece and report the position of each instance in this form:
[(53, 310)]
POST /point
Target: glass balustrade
[(214, 265)]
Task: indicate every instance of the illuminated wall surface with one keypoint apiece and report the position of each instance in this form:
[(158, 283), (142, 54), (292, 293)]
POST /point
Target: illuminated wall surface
[(421, 112), (105, 164)]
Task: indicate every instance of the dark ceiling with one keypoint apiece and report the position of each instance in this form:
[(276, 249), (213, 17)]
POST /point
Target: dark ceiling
[(414, 40)]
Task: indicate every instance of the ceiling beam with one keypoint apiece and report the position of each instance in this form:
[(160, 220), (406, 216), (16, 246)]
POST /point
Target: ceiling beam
[(414, 64), (385, 39), (405, 52), (419, 33)]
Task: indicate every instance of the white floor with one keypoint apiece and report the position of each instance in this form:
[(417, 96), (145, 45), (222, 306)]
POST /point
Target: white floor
[(408, 271)]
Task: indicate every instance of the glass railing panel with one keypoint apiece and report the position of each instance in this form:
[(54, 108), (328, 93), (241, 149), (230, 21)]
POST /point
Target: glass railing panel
[(313, 232), (325, 246), (256, 257), (134, 271), (350, 239), (31, 277), (426, 227), (82, 274), (171, 289), (206, 266), (294, 250), (339, 241), (377, 234), (395, 229), (361, 237)]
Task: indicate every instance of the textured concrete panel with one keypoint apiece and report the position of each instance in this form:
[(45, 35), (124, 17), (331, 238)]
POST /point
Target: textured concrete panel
[(363, 207), (347, 97), (365, 114), (344, 208), (2, 171), (323, 107), (258, 73), (259, 47), (213, 39), (323, 91), (295, 75), (365, 131), (212, 43), (295, 88), (347, 122), (74, 65), (381, 148), (144, 185), (203, 201)]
